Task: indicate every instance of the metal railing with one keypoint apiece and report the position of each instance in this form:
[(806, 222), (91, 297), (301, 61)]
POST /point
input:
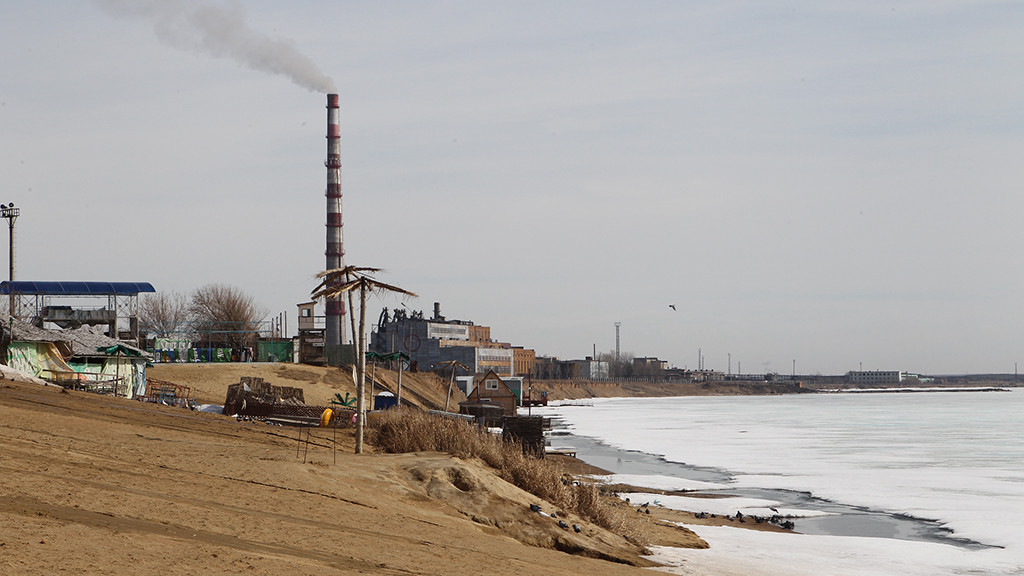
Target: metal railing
[(95, 382)]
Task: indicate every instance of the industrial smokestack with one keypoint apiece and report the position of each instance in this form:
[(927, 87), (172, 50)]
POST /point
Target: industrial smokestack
[(335, 306)]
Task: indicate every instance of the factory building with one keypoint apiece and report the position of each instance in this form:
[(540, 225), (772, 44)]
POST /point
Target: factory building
[(430, 342), (551, 368), (875, 377)]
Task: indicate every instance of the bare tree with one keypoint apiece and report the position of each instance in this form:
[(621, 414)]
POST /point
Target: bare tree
[(225, 315), (345, 281), (164, 314), (620, 366)]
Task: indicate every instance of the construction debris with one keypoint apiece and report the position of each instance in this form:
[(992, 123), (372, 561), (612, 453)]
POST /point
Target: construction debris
[(254, 398)]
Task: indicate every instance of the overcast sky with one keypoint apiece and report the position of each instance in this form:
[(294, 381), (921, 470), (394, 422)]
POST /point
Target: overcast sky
[(835, 183)]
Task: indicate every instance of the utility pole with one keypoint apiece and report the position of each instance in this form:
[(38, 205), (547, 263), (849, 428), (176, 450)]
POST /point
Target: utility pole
[(11, 214)]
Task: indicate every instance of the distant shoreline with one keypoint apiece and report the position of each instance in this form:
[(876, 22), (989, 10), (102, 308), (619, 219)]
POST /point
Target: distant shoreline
[(913, 390), (584, 389)]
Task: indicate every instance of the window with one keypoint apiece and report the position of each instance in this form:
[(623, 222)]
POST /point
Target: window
[(490, 384)]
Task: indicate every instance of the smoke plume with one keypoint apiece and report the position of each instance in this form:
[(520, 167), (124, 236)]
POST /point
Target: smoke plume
[(220, 29)]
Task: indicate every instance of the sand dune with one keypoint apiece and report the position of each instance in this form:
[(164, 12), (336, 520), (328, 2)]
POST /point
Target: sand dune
[(92, 484)]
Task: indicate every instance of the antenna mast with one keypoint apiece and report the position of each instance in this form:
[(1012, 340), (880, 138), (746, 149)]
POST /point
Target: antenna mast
[(617, 324)]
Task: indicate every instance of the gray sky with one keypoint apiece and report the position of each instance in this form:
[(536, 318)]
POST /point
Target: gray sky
[(834, 183)]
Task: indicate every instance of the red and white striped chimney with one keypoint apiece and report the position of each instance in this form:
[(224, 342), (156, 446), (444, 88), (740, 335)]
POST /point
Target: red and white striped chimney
[(335, 253)]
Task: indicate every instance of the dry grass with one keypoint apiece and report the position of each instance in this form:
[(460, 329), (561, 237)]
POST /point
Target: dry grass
[(416, 431)]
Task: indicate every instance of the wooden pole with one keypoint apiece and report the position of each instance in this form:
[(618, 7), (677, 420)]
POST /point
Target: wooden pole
[(361, 361), (401, 364), (352, 320), (373, 381), (448, 398), (529, 393)]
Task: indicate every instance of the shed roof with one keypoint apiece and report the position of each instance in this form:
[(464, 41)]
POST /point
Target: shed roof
[(64, 288), (83, 341)]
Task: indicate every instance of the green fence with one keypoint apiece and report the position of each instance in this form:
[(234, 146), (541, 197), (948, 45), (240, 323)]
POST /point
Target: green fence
[(270, 351), (338, 355)]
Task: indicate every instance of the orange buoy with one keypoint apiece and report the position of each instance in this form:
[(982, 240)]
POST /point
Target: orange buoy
[(326, 417)]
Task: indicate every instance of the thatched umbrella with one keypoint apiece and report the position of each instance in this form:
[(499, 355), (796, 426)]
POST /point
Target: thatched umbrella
[(345, 281)]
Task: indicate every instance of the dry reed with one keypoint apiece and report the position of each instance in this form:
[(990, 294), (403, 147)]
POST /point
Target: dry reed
[(415, 431)]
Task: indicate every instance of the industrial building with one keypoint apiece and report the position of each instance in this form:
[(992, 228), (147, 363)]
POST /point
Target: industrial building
[(874, 377), (430, 342), (551, 368), (649, 364)]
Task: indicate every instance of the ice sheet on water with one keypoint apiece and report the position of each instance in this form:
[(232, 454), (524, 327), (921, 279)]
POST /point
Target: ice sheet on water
[(738, 551), (660, 482), (953, 458), (720, 506)]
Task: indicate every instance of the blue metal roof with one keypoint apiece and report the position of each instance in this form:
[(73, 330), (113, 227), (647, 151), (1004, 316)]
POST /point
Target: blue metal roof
[(31, 288)]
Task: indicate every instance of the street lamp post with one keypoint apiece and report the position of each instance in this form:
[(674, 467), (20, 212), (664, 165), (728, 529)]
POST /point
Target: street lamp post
[(11, 214)]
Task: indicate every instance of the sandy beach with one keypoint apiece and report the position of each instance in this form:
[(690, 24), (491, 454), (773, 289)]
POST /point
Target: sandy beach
[(97, 485)]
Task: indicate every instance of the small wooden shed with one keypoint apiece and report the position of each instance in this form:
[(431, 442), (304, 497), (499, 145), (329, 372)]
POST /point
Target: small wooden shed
[(488, 414), (491, 388)]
